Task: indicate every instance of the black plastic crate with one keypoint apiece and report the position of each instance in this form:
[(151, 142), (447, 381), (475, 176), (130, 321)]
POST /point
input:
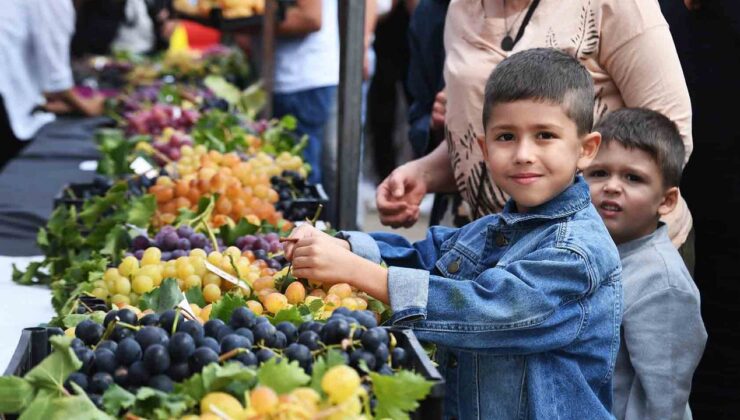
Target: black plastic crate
[(33, 347), (431, 406), (304, 207), (75, 194)]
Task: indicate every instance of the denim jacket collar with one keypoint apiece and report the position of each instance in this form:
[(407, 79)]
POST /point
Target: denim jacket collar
[(575, 198)]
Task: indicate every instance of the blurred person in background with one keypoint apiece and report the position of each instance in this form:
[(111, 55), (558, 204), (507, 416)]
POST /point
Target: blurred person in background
[(35, 76)]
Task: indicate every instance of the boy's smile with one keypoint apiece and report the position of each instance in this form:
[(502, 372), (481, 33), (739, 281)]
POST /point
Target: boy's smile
[(627, 191), (533, 150)]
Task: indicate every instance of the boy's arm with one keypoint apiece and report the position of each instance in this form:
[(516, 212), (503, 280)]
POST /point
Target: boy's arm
[(395, 250), (532, 305), (665, 338)]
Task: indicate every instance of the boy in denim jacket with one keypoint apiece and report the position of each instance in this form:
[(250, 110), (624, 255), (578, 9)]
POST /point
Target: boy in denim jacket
[(524, 306), (634, 181)]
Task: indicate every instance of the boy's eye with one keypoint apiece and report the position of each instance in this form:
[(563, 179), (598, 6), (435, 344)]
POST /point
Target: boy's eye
[(596, 173), (633, 178), (505, 137), (546, 135)]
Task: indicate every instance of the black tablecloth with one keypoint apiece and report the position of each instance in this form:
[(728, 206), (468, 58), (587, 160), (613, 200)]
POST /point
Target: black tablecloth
[(29, 182)]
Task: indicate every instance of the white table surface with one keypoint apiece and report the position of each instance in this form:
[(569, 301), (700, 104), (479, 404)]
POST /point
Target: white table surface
[(20, 306)]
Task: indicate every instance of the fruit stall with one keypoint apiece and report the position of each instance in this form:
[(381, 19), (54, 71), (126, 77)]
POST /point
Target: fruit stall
[(162, 258)]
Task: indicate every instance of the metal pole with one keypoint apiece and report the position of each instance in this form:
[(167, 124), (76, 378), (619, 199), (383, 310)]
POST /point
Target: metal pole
[(268, 54), (349, 97)]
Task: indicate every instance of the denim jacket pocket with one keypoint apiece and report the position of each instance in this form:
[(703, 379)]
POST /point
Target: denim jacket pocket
[(457, 264)]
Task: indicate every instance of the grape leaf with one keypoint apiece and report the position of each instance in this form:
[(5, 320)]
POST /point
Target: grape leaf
[(153, 404), (290, 314), (77, 406), (282, 376), (166, 296), (39, 407), (116, 240), (116, 399), (195, 295), (15, 394), (224, 307), (94, 208), (72, 320), (399, 394), (223, 89), (230, 234), (53, 371), (217, 378), (329, 360), (141, 210)]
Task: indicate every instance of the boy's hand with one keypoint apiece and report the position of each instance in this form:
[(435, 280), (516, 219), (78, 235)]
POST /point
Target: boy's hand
[(308, 231), (323, 259)]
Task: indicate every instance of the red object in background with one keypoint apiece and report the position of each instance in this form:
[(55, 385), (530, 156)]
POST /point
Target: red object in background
[(200, 37)]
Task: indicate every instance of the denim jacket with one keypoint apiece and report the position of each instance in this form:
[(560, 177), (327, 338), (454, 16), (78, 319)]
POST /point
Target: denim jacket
[(524, 308)]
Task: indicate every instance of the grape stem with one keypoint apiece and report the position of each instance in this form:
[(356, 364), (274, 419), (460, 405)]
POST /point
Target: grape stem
[(129, 326), (231, 353)]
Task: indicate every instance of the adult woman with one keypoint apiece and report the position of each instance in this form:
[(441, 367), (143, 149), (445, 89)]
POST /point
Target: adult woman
[(625, 45)]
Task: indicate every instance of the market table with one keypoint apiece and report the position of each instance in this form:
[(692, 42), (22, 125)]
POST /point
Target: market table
[(29, 182), (28, 185)]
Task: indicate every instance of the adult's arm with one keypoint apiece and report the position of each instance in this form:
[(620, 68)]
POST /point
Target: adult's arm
[(638, 52), (54, 23), (301, 19)]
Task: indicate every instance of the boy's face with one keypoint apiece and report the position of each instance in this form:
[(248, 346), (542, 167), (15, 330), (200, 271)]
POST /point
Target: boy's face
[(533, 150), (627, 190)]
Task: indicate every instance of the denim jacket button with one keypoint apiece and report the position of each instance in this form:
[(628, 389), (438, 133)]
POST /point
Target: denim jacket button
[(501, 240), (454, 267), (452, 362)]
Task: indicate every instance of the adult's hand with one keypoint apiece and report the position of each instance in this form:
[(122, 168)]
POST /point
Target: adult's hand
[(692, 4), (439, 109), (399, 195)]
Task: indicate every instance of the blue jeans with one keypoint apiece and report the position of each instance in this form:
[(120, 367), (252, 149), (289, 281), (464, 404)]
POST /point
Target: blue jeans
[(311, 108)]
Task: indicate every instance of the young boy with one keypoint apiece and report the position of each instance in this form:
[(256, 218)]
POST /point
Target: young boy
[(634, 181), (524, 306)]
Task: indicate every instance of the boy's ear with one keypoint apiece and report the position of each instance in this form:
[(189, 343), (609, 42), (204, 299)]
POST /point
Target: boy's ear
[(669, 201), (589, 148), (482, 145)]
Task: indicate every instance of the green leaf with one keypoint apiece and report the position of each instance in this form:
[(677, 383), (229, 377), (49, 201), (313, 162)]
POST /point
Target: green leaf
[(289, 122), (72, 320), (292, 314), (96, 207), (154, 404), (115, 241), (223, 308), (230, 234), (282, 376), (323, 363), (39, 407), (166, 296), (15, 394), (223, 89), (53, 371), (116, 399), (315, 306), (195, 295), (217, 378), (141, 211), (399, 394), (252, 100), (31, 274), (78, 406)]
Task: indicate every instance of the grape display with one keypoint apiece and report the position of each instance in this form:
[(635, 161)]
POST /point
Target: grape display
[(169, 349), (155, 119)]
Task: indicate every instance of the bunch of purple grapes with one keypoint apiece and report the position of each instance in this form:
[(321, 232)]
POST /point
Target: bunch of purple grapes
[(262, 246), (159, 116), (171, 147), (173, 242)]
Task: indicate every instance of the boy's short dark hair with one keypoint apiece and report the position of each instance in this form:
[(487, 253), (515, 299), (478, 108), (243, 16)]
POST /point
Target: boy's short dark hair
[(543, 74), (650, 131)]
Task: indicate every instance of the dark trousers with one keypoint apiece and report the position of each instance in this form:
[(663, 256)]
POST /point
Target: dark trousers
[(10, 146), (708, 44)]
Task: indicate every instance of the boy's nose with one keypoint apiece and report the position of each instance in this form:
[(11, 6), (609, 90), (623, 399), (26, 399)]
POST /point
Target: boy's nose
[(612, 185), (524, 152)]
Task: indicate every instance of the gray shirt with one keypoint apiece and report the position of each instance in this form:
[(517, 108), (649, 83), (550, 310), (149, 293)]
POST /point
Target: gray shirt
[(663, 335)]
